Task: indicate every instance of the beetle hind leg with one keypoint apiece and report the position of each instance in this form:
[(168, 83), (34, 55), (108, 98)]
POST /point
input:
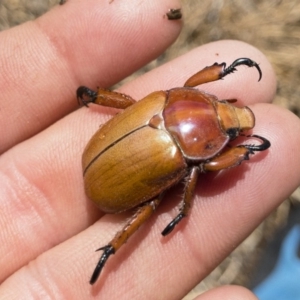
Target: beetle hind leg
[(187, 200), (141, 216)]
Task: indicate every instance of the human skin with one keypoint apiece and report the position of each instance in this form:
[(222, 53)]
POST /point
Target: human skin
[(49, 229)]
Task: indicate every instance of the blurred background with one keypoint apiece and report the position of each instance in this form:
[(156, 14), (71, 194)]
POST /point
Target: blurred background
[(273, 26)]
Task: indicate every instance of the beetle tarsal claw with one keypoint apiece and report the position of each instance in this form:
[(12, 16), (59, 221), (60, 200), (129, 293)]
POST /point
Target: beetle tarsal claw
[(263, 146), (172, 224), (107, 251), (85, 95), (242, 61)]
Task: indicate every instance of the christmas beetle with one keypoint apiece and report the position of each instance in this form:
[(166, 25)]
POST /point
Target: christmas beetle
[(167, 137)]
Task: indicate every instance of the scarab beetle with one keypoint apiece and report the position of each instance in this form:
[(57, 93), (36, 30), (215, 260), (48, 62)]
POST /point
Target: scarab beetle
[(155, 143)]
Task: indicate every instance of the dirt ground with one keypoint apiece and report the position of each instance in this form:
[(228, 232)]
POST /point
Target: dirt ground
[(273, 26)]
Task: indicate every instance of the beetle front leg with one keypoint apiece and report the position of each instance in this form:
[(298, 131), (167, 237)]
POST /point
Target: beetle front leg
[(219, 71), (234, 156), (187, 200), (103, 97), (141, 216)]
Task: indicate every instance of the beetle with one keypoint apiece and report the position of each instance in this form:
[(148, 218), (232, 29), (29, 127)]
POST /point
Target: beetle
[(167, 137)]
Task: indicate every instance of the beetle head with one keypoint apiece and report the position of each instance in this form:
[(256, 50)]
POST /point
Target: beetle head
[(233, 119)]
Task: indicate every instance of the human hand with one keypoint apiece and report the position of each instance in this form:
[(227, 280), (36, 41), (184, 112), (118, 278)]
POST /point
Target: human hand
[(49, 232)]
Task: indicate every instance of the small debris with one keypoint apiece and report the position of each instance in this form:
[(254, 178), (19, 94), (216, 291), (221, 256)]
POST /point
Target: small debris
[(174, 14)]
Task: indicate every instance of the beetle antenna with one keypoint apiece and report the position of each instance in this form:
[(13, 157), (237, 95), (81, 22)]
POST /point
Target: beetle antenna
[(242, 61), (107, 251)]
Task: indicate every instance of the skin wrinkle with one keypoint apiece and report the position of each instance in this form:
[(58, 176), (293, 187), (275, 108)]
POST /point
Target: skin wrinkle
[(38, 289), (25, 215), (32, 110), (36, 214), (59, 53)]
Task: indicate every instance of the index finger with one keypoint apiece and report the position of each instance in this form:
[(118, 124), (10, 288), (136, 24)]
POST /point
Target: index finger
[(44, 61)]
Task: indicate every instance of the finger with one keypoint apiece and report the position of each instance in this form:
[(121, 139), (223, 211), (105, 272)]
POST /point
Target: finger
[(68, 155), (228, 293), (78, 43)]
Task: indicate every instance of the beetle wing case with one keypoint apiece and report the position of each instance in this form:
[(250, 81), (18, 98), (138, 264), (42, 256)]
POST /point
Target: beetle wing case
[(127, 165)]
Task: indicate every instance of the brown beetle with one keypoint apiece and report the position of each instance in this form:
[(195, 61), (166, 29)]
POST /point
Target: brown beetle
[(153, 144)]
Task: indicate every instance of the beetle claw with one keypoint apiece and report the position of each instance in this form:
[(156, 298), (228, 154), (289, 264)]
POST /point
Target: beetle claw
[(242, 61), (85, 96), (107, 251), (172, 224), (263, 146)]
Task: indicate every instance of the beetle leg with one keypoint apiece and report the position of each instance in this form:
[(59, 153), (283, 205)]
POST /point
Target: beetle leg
[(141, 216), (103, 97), (219, 71), (187, 200), (234, 156)]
